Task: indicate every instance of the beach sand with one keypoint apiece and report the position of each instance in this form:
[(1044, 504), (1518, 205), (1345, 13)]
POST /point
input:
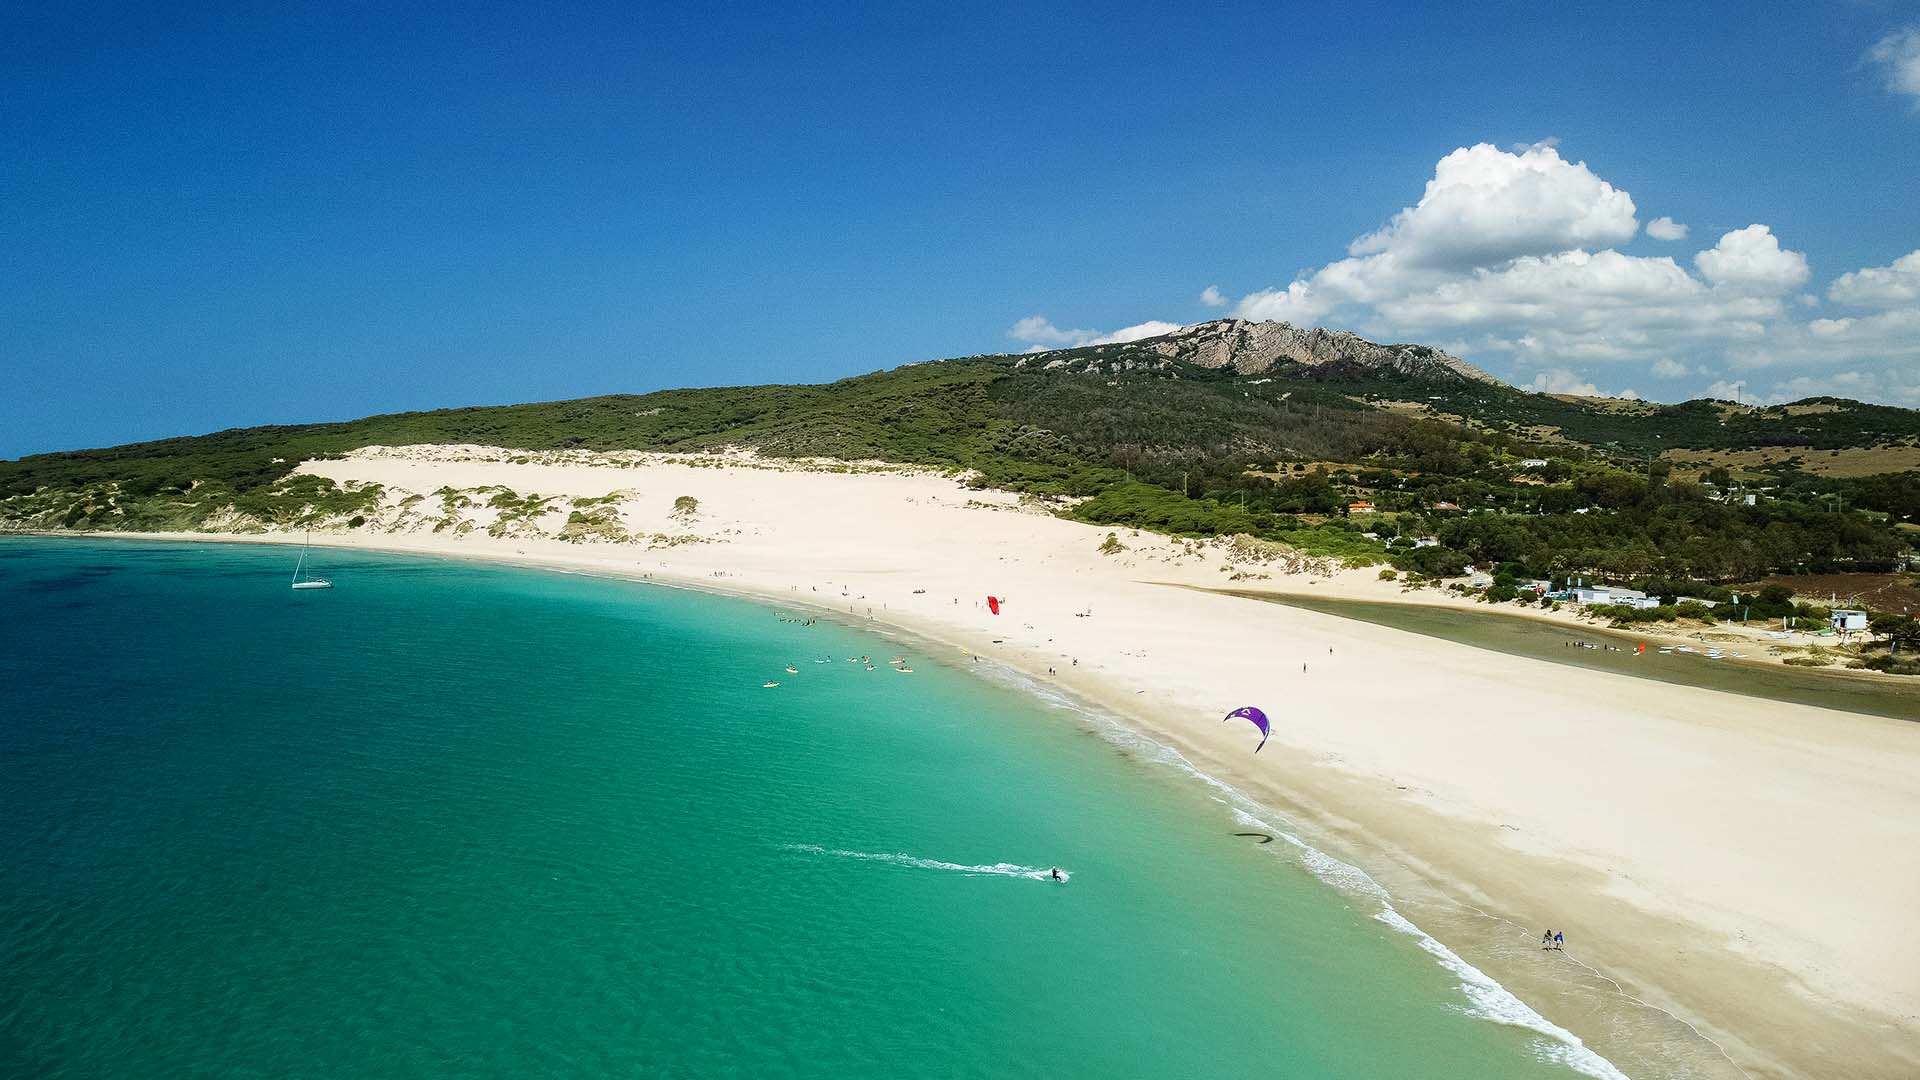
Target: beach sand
[(1732, 874)]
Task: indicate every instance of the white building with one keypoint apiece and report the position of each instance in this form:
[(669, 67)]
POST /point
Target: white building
[(1612, 594), (1634, 598), (1533, 463), (1844, 619)]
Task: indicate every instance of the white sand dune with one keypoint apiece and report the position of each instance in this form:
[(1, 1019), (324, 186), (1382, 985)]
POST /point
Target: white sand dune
[(1745, 865)]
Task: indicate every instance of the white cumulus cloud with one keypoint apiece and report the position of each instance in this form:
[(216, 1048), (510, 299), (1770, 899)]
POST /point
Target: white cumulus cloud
[(1150, 328), (1039, 332), (1898, 55), (1513, 255), (1296, 303), (1562, 381), (1036, 330), (1674, 369), (1880, 286), (1665, 228), (1752, 260), (1730, 391), (1485, 205)]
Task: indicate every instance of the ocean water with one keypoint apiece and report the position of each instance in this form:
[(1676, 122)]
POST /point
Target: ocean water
[(451, 820)]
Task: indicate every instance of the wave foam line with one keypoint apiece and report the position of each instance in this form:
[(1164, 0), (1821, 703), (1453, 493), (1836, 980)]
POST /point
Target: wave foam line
[(1487, 999), (901, 858)]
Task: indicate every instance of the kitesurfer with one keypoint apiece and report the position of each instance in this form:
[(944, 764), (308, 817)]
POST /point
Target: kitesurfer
[(1056, 873)]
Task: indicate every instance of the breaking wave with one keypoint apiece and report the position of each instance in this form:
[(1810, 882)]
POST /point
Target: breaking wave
[(1486, 998)]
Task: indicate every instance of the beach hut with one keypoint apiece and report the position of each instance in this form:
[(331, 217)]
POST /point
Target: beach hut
[(1847, 620)]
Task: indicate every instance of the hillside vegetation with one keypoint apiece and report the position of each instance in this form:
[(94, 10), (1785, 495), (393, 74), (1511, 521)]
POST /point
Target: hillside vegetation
[(1123, 435)]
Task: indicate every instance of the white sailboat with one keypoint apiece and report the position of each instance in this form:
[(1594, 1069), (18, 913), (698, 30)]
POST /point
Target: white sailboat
[(310, 583)]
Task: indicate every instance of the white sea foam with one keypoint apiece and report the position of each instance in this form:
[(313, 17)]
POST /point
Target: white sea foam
[(1486, 998), (900, 858)]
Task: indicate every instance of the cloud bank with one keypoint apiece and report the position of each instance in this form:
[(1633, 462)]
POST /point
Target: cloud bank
[(1515, 259)]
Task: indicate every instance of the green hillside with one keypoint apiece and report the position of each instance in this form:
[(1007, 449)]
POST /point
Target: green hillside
[(1161, 444)]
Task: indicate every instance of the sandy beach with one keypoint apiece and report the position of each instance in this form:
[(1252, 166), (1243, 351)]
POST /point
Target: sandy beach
[(1720, 864)]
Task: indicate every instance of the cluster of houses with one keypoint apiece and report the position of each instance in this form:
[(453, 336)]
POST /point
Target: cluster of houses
[(1579, 594), (1845, 620), (1364, 506)]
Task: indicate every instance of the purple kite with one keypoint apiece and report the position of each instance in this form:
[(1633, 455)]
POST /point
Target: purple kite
[(1256, 718)]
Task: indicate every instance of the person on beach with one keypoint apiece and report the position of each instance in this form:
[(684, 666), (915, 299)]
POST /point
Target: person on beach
[(1546, 940), (1559, 941)]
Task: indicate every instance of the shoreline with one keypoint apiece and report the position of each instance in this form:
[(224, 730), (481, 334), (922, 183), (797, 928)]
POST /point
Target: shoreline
[(1489, 998), (1686, 839), (1437, 908)]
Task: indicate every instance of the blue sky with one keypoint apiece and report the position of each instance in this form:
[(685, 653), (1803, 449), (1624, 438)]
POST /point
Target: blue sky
[(277, 214)]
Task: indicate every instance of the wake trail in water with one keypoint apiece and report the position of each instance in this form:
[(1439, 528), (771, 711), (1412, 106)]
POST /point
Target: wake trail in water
[(900, 858)]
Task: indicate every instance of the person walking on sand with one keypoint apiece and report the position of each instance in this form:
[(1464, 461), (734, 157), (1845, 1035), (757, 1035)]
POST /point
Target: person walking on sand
[(1546, 940), (1559, 941)]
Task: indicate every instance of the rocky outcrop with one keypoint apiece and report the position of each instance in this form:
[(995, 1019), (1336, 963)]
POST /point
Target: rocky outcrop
[(1252, 348)]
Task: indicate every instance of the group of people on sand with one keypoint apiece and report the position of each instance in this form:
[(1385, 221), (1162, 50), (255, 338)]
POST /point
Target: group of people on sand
[(1553, 939)]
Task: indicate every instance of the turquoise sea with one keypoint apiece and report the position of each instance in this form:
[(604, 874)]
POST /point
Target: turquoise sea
[(452, 820)]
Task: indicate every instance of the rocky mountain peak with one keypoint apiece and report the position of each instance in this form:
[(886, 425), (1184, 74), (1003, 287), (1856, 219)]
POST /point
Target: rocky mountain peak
[(1252, 348)]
